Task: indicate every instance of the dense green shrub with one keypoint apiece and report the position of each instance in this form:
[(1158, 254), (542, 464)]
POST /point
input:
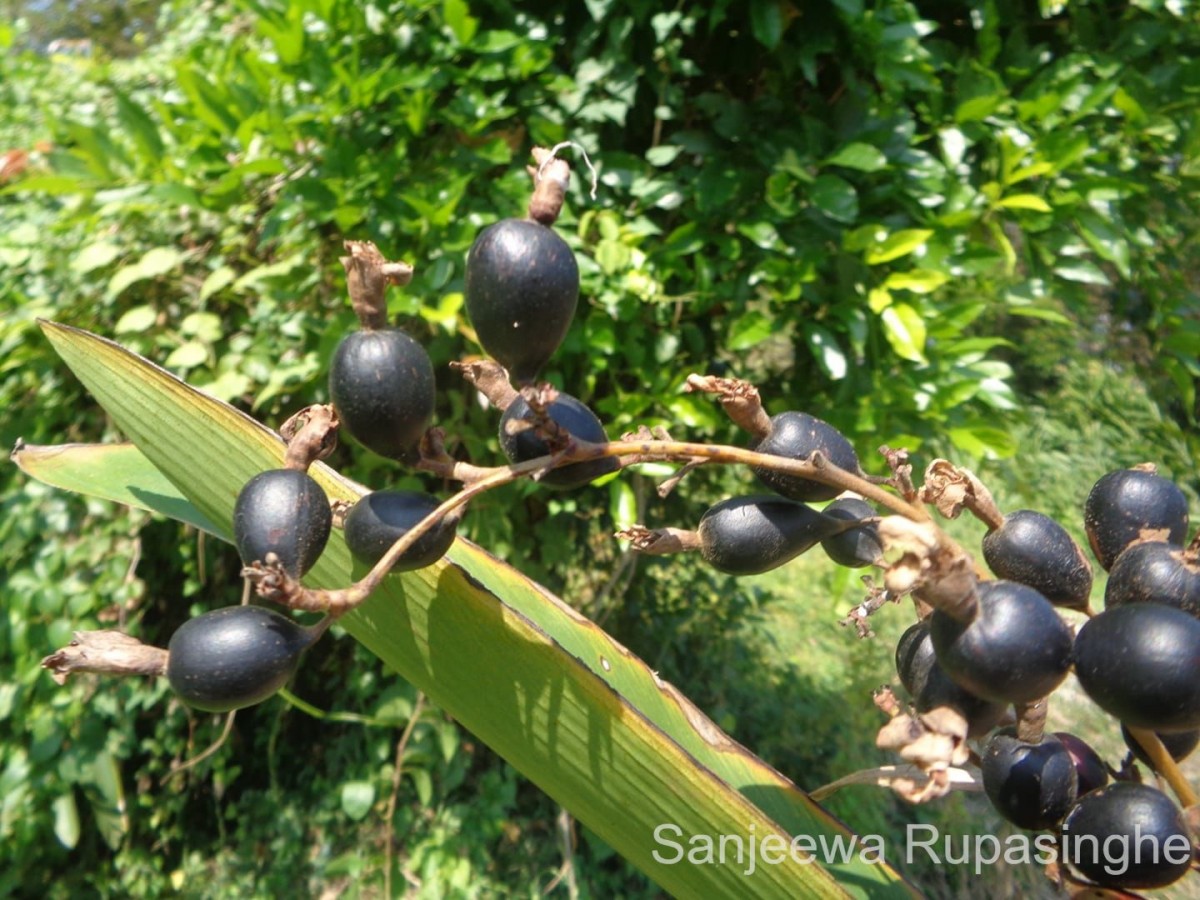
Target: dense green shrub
[(902, 217)]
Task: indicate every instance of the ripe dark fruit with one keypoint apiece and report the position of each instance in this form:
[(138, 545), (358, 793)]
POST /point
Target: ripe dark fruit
[(521, 444), (930, 686), (1016, 649), (856, 547), (1140, 662), (1127, 835), (797, 435), (522, 283), (380, 519), (1155, 572), (234, 657), (1131, 505), (1033, 549), (748, 535), (1179, 745), (285, 512), (1031, 785), (382, 386), (1090, 770)]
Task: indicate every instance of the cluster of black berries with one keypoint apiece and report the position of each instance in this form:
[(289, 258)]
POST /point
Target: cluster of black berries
[(522, 286)]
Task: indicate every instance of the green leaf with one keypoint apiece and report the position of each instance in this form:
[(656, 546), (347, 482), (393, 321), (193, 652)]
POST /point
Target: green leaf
[(66, 819), (749, 329), (919, 281), (1083, 272), (896, 245), (983, 441), (863, 157), (553, 694), (905, 331), (828, 354), (94, 256), (459, 20), (662, 156), (136, 320), (835, 197), (217, 280), (357, 799), (766, 22), (117, 472), (1024, 201), (153, 263)]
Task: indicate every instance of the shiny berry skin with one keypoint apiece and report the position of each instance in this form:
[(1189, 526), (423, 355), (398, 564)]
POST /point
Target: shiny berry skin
[(797, 435), (1140, 662), (234, 657), (1033, 549), (521, 444), (1031, 785), (855, 547), (1016, 650), (382, 385), (521, 288), (930, 686), (1179, 745), (285, 512), (1089, 767), (1127, 835), (381, 518), (1155, 572), (1131, 505), (749, 535)]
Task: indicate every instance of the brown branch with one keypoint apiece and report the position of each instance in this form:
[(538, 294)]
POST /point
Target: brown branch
[(106, 653)]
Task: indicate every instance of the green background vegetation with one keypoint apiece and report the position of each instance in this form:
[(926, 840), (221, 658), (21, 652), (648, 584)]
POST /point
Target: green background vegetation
[(964, 228)]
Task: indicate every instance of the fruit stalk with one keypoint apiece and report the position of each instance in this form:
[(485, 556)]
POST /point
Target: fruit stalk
[(1165, 765), (368, 275)]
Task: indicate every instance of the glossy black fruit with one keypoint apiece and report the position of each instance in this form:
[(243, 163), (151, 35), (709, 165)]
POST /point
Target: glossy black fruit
[(930, 686), (381, 518), (1017, 649), (382, 386), (1179, 745), (522, 284), (234, 657), (521, 444), (1127, 835), (798, 435), (748, 535), (1140, 662), (1129, 505), (1155, 572), (855, 547), (1033, 549), (285, 512), (1090, 769), (1031, 785)]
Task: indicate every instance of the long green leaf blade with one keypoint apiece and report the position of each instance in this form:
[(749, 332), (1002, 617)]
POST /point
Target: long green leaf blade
[(547, 689)]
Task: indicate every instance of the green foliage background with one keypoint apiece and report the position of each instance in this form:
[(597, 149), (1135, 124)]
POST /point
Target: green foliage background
[(961, 227)]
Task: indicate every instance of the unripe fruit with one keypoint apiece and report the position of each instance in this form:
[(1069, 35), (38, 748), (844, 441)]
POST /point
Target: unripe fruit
[(234, 657), (381, 518), (797, 435), (285, 512), (748, 535), (521, 444), (1155, 572), (1031, 785), (1140, 662), (1127, 835), (1131, 505), (930, 686), (382, 386), (855, 547), (522, 284), (1016, 649), (1033, 549)]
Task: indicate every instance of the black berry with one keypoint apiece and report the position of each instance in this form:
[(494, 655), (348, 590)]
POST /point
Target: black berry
[(797, 435), (1140, 662), (285, 512), (234, 657), (1031, 785), (1015, 650), (930, 687), (855, 547), (1131, 505), (522, 284), (381, 518), (748, 535), (1033, 549), (382, 386), (1179, 745), (1155, 572), (521, 443)]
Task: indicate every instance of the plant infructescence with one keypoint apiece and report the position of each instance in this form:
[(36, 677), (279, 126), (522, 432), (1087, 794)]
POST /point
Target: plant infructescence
[(998, 642)]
